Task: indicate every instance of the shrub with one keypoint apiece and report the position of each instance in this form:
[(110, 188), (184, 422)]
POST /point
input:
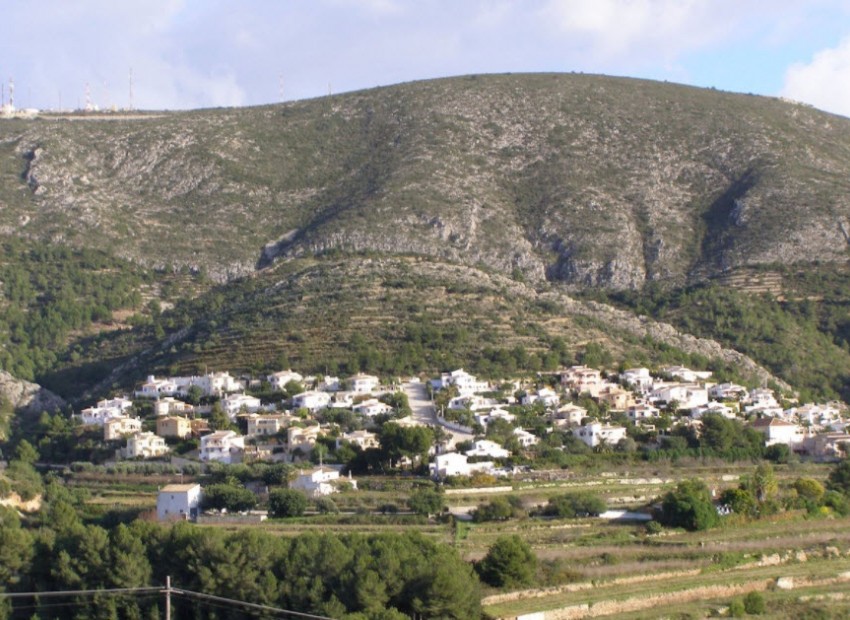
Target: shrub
[(287, 503), (689, 506), (571, 505), (226, 496), (736, 608), (509, 562), (754, 603), (326, 505)]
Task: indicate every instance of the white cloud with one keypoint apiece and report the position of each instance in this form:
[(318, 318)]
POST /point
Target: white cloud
[(824, 82), (617, 29)]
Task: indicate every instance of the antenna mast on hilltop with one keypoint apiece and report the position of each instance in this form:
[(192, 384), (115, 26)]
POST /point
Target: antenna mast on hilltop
[(11, 93), (280, 87), (88, 98), (131, 88)]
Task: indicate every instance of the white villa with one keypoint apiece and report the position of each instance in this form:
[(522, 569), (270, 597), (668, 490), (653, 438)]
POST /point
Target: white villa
[(267, 424), (727, 391), (105, 410), (485, 447), (778, 431), (525, 438), (687, 395), (320, 481), (596, 434), (364, 384), (363, 439), (545, 395), (223, 447), (638, 379), (371, 408), (144, 446), (641, 412), (235, 403), (211, 384), (303, 438), (278, 380), (465, 383), (178, 502), (568, 415), (312, 400), (168, 405), (495, 414), (455, 464), (686, 374), (582, 379), (116, 428)]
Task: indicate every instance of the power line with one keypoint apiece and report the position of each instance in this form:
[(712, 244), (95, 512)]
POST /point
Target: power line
[(167, 591)]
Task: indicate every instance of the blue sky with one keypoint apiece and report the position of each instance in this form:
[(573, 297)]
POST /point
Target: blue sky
[(204, 53)]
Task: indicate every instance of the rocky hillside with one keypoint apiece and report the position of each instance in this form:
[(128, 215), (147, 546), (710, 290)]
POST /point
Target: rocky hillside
[(578, 179)]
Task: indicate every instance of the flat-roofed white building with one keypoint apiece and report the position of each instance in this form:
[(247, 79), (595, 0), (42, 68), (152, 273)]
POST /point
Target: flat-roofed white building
[(222, 447), (178, 502)]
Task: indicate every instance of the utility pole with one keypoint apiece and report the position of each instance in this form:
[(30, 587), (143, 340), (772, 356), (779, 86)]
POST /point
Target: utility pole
[(168, 597)]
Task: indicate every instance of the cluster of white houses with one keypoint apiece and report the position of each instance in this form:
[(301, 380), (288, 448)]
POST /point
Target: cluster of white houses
[(282, 435)]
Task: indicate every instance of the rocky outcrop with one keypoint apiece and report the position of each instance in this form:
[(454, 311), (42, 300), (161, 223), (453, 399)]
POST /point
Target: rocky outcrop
[(26, 397)]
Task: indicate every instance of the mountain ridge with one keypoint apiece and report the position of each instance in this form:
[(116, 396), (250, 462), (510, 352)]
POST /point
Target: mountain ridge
[(581, 180)]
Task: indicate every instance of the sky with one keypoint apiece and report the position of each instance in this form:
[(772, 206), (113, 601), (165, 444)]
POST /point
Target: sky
[(212, 53)]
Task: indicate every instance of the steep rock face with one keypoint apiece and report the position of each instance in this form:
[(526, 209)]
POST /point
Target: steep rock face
[(26, 397), (588, 180)]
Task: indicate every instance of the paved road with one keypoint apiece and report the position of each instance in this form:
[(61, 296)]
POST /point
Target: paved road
[(425, 413)]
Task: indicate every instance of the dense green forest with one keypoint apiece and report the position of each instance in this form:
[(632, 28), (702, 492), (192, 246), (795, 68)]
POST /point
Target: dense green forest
[(354, 577), (50, 292)]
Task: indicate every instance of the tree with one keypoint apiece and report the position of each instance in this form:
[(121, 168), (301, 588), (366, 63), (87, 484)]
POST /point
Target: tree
[(498, 509), (740, 501), (426, 501), (689, 506), (509, 562), (762, 484), (227, 496), (285, 503), (839, 478), (578, 504), (809, 489)]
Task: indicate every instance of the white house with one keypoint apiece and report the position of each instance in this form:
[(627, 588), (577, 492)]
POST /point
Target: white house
[(465, 383), (713, 407), (641, 412), (312, 400), (178, 502), (168, 405), (223, 447), (761, 398), (302, 438), (144, 445), (267, 424), (454, 464), (686, 374), (485, 447), (371, 408), (278, 380), (727, 391), (582, 379), (687, 395), (363, 383), (154, 388), (545, 395), (778, 431), (525, 438), (116, 428), (596, 434), (235, 403), (320, 481), (105, 410), (471, 402), (330, 384), (363, 439), (638, 379), (568, 415), (495, 414)]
